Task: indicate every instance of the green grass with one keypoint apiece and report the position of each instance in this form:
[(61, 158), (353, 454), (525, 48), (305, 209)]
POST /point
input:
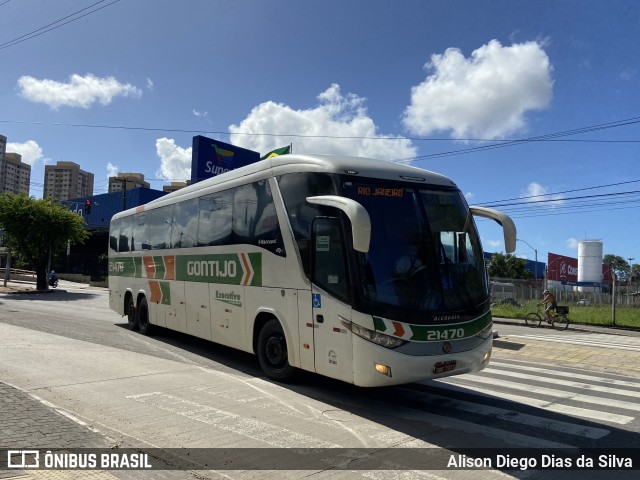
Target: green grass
[(593, 315)]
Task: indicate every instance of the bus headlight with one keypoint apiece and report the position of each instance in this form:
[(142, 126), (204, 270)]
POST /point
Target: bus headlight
[(373, 336)]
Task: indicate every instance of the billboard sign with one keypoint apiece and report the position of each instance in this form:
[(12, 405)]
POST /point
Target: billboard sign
[(211, 157), (561, 268)]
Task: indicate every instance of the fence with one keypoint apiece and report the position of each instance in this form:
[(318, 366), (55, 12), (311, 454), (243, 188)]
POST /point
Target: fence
[(525, 290)]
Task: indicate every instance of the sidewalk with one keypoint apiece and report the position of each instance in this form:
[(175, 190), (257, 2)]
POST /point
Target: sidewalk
[(21, 286), (611, 330)]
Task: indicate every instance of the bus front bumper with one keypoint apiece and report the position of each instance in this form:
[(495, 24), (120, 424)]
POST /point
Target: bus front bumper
[(376, 366)]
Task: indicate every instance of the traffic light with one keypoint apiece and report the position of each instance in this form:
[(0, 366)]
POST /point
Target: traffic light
[(87, 207)]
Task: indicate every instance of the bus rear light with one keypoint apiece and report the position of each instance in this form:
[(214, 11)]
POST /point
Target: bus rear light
[(384, 369)]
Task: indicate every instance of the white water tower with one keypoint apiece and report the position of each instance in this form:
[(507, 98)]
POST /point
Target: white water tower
[(590, 264)]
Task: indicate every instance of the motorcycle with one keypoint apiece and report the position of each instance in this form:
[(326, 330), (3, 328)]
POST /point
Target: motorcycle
[(53, 282)]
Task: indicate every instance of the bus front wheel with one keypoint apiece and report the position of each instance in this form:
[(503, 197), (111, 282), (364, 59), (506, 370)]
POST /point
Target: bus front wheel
[(272, 352)]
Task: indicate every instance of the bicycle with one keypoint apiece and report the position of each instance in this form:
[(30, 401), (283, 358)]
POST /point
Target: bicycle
[(559, 319)]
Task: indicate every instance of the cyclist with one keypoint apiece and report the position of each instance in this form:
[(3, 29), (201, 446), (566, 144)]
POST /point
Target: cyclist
[(549, 298)]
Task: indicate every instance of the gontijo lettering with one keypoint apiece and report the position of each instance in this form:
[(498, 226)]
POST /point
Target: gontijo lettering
[(212, 268)]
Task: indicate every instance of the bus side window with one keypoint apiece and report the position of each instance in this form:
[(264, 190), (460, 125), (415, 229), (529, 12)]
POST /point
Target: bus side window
[(125, 234), (329, 263), (215, 218), (139, 236), (185, 224), (159, 227), (113, 235), (295, 188)]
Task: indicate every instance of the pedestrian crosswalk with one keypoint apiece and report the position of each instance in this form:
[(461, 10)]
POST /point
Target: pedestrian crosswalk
[(568, 405), (618, 342), (546, 390)]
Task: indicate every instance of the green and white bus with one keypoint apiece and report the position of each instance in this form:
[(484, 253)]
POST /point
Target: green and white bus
[(362, 270)]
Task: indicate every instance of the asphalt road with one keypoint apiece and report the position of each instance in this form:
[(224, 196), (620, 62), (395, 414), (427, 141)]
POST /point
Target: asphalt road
[(543, 389)]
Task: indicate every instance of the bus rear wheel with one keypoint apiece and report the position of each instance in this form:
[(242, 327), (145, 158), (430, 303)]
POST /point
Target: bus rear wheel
[(272, 352), (143, 317)]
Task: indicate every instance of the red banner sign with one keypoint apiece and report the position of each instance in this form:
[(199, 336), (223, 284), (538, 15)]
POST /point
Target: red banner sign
[(562, 268)]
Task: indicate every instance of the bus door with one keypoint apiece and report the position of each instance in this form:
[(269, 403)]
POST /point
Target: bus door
[(333, 348)]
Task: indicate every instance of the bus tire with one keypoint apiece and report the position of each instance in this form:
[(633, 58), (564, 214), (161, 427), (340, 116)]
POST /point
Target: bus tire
[(272, 352), (143, 317), (130, 311)]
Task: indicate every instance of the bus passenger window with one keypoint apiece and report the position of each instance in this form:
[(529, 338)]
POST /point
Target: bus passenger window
[(185, 224), (125, 234), (329, 264)]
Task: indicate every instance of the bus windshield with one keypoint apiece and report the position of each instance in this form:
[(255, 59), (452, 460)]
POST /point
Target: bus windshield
[(425, 262)]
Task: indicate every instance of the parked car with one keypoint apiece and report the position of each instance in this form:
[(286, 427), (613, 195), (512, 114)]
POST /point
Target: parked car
[(583, 302)]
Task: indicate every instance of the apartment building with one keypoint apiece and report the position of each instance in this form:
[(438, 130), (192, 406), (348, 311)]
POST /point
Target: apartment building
[(65, 180), (174, 186), (3, 149), (16, 175), (128, 181)]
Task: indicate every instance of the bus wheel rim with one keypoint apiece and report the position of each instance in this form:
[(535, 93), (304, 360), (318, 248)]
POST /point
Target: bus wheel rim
[(275, 351)]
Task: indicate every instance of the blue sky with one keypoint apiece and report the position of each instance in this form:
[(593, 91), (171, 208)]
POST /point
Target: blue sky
[(405, 80)]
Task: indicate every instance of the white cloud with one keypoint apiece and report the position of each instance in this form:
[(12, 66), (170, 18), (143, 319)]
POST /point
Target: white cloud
[(484, 96), (536, 193), (112, 170), (572, 243), (335, 115), (150, 84), (469, 195), (79, 91), (30, 151), (200, 114), (175, 161), (494, 243)]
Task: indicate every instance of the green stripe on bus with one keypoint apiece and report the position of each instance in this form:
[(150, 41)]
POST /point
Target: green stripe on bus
[(432, 333), (226, 268), (159, 264), (125, 267), (165, 288)]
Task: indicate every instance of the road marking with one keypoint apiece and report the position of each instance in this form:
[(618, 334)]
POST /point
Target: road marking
[(591, 340), (512, 416), (547, 405), (473, 381), (231, 422), (565, 383), (574, 375)]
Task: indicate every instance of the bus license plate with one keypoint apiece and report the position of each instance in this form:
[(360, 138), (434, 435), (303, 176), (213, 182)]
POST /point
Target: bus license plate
[(442, 367)]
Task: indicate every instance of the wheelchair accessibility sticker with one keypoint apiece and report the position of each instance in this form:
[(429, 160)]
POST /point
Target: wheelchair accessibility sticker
[(316, 300)]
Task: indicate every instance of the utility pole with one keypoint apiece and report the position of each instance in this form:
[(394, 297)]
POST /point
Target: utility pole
[(535, 268), (629, 281), (613, 297)]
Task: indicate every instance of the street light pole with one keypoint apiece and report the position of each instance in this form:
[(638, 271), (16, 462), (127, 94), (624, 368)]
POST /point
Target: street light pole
[(629, 281), (535, 268)]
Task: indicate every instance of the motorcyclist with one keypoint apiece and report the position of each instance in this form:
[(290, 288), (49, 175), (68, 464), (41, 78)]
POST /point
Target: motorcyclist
[(53, 278)]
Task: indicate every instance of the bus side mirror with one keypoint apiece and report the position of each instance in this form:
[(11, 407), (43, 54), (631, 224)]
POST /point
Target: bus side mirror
[(357, 214), (508, 227)]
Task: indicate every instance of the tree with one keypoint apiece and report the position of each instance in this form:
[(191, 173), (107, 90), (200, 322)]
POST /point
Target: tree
[(35, 228), (508, 266), (618, 264)]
